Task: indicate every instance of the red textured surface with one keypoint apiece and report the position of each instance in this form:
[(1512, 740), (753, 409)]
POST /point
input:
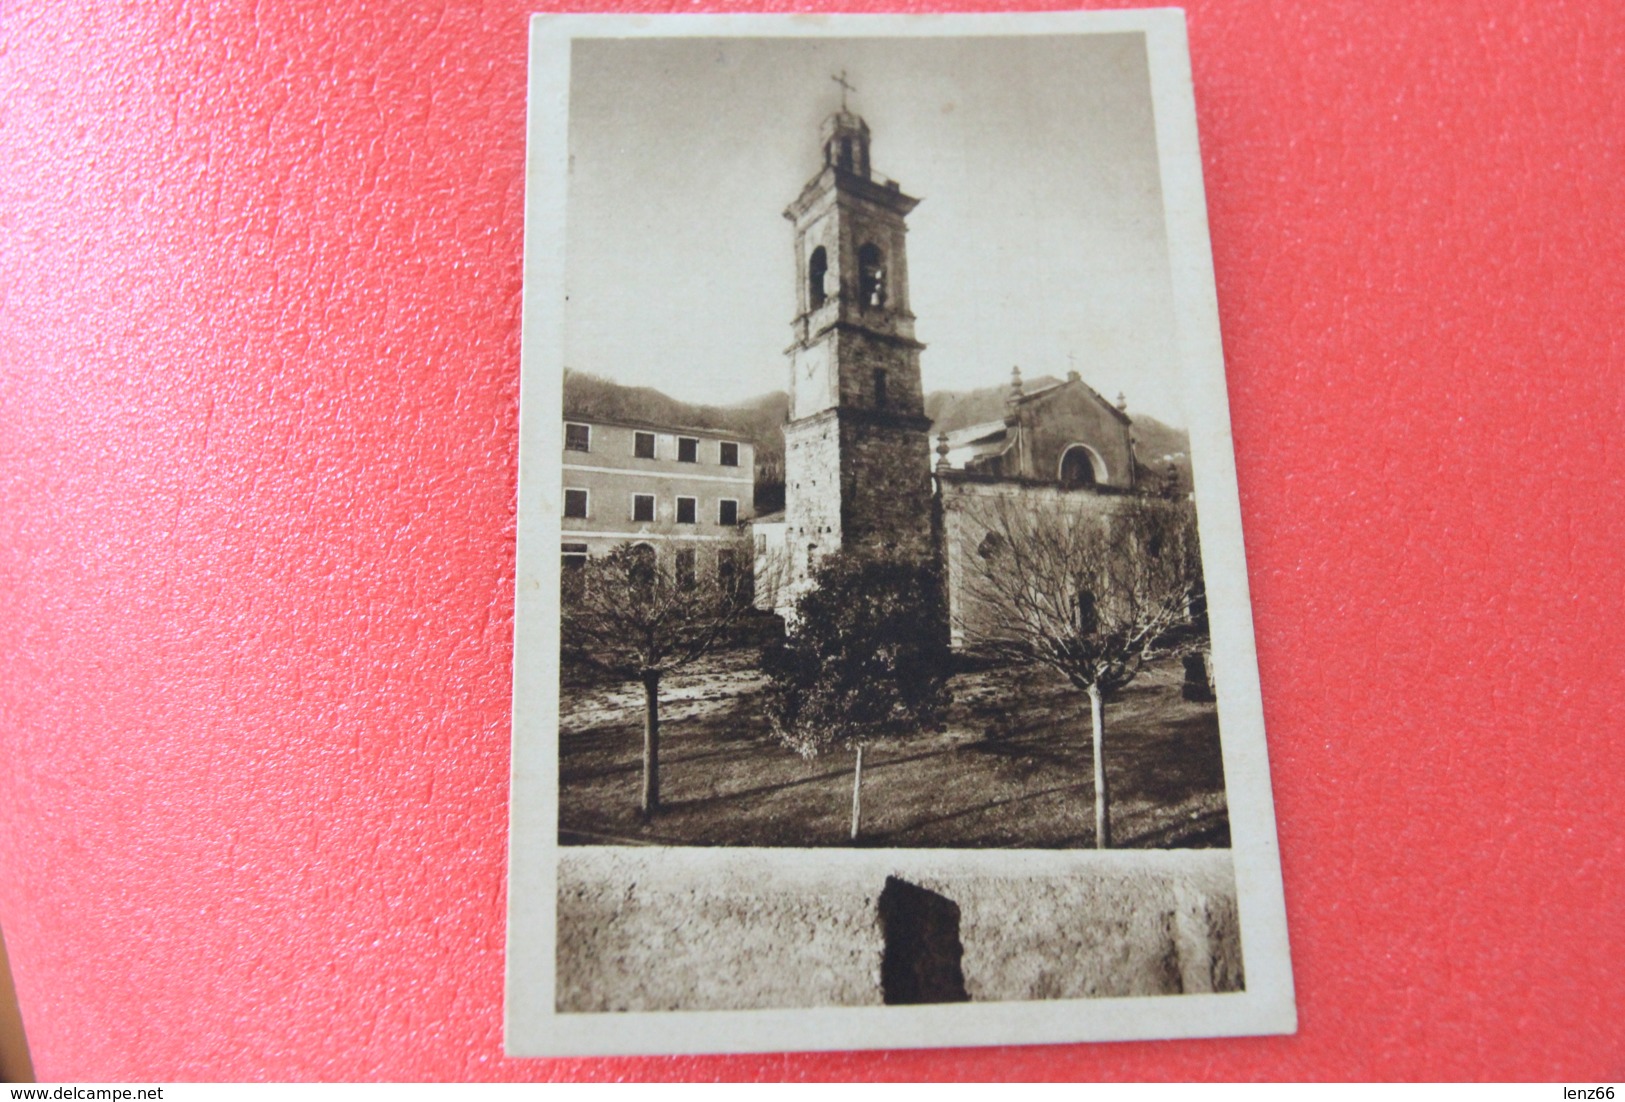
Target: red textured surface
[(259, 303)]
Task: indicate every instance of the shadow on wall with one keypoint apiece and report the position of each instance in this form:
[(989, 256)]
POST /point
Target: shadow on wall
[(920, 961), (642, 930)]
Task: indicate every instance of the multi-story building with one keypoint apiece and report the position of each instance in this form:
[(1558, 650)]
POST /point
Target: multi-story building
[(686, 490)]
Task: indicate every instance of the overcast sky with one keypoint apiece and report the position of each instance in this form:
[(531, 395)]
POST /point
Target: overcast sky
[(1040, 240)]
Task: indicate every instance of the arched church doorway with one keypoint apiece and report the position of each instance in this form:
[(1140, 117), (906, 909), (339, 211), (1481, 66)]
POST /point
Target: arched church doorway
[(1081, 468)]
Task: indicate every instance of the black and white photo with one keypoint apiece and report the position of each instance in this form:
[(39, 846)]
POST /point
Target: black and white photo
[(883, 670)]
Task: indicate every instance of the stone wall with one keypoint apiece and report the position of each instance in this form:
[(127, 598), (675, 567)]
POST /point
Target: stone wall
[(860, 354), (644, 929), (812, 487), (966, 502), (885, 485)]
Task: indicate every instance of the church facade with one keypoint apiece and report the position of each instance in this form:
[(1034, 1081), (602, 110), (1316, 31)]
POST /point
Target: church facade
[(861, 471)]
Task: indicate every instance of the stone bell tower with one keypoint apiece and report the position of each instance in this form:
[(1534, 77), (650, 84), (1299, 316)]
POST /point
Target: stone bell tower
[(857, 452)]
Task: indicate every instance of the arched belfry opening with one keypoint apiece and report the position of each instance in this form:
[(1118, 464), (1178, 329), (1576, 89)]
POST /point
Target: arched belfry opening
[(817, 269), (871, 275)]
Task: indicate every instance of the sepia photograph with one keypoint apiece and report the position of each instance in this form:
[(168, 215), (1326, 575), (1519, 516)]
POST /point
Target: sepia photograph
[(883, 638)]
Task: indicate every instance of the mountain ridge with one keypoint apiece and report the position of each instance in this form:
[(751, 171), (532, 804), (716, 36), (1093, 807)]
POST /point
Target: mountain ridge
[(760, 420)]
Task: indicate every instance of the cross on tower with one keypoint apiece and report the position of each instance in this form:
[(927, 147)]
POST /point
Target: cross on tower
[(845, 87)]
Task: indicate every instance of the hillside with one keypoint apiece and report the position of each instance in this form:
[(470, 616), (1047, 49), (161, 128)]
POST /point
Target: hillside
[(758, 420), (761, 421), (951, 410)]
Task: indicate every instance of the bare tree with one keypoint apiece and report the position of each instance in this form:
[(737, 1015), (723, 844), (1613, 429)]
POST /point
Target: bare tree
[(638, 613), (1093, 588)]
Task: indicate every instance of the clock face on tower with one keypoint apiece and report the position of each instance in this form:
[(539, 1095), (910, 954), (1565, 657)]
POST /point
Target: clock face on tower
[(811, 393)]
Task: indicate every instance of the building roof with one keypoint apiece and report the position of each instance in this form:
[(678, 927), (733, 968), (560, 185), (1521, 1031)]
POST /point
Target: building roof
[(986, 432), (1029, 395), (978, 441), (993, 434), (1032, 395)]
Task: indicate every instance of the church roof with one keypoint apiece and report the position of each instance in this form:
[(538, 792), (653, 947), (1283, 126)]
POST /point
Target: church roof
[(1033, 395), (1029, 395)]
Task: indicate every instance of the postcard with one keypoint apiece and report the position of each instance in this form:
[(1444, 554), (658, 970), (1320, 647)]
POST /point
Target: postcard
[(884, 671)]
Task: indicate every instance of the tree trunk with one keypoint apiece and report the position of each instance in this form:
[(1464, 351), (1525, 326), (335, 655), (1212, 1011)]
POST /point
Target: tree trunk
[(1097, 715), (651, 742), (857, 794)]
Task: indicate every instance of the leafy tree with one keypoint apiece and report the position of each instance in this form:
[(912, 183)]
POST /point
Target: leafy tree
[(1092, 589), (637, 614), (866, 657)]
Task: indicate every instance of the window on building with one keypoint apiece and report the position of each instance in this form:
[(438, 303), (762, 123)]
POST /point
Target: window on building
[(1088, 618), (727, 568), (730, 455), (577, 438), (727, 512), (575, 556), (817, 269), (643, 445), (575, 503), (643, 508), (640, 566), (688, 449), (871, 276), (880, 388), (685, 510), (685, 567)]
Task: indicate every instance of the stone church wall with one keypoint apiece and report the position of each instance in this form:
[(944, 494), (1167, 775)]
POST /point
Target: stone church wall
[(966, 503)]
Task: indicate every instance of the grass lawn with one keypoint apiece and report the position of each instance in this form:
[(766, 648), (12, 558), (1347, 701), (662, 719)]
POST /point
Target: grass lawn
[(1011, 770)]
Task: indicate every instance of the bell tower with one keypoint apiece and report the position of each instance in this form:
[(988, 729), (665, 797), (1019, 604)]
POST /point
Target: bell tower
[(857, 452)]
